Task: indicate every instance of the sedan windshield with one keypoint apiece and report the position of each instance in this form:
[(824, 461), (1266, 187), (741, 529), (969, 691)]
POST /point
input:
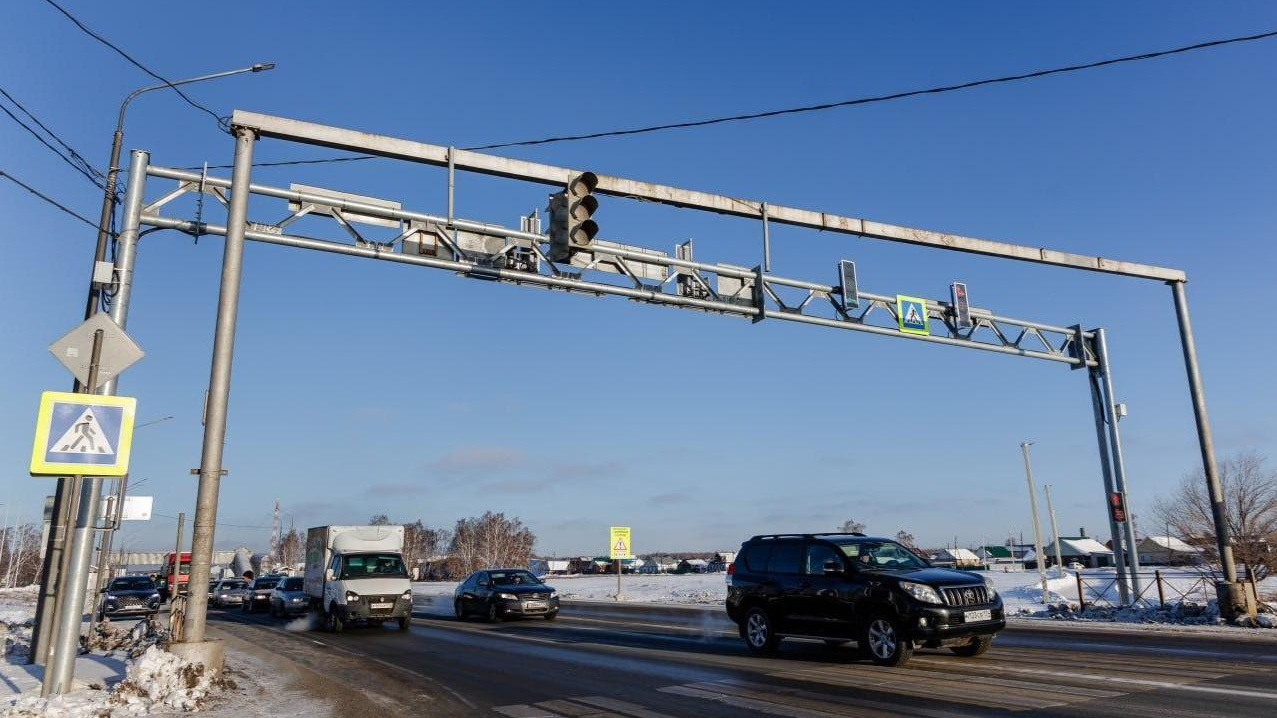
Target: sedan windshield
[(232, 585), (373, 565), (132, 583), (882, 556), (292, 584), (513, 578)]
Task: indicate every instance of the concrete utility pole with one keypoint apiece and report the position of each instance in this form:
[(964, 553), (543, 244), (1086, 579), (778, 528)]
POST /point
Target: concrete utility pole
[(219, 388), (1055, 531), (1119, 464), (1037, 524)]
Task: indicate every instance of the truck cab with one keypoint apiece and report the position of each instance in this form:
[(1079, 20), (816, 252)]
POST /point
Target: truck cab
[(356, 574)]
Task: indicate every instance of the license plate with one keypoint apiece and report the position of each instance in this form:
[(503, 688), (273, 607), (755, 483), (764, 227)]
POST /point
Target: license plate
[(534, 604), (977, 616), (391, 605)]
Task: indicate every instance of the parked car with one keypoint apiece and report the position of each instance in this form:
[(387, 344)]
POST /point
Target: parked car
[(259, 591), (229, 592), (502, 593), (289, 597), (129, 595), (851, 587)]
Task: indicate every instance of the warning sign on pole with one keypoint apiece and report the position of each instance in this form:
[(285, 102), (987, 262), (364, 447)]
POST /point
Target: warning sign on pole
[(619, 542), (82, 434)]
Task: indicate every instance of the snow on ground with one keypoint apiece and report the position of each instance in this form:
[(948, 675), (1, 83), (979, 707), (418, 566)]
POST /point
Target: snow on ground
[(157, 683)]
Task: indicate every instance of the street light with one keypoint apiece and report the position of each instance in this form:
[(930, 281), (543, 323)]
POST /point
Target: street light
[(1037, 525), (113, 168)]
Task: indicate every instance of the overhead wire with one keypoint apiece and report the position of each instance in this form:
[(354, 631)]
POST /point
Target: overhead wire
[(48, 199), (89, 176), (76, 156), (222, 121), (813, 108)]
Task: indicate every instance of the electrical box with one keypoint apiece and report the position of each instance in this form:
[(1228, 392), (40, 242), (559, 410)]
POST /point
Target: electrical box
[(103, 273)]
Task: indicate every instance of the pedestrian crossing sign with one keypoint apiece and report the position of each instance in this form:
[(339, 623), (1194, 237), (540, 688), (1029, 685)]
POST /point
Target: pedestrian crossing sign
[(82, 435), (619, 541), (911, 312)]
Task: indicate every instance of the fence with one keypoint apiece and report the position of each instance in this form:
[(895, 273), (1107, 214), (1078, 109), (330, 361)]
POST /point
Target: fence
[(1157, 589)]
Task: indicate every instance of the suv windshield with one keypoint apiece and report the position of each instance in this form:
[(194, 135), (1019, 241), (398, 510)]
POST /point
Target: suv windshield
[(882, 556), (132, 583), (373, 565), (265, 583), (513, 578), (292, 584)]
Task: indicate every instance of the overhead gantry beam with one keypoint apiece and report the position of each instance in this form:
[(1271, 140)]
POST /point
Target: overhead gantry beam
[(395, 148)]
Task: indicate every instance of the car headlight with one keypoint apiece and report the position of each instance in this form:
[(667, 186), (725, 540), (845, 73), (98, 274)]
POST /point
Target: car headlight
[(554, 594), (351, 597), (507, 596), (406, 595), (922, 592), (988, 585)]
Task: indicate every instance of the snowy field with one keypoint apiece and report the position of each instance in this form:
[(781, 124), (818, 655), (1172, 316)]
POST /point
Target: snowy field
[(1021, 592)]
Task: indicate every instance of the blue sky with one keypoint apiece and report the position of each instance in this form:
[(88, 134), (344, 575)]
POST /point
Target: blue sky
[(361, 388)]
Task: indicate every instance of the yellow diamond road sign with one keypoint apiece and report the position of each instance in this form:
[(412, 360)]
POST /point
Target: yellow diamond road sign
[(82, 434), (619, 541)]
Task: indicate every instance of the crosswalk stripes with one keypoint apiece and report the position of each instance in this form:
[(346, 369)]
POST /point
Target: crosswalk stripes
[(580, 707)]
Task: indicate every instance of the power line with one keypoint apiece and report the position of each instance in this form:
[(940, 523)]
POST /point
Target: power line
[(52, 149), (221, 121), (816, 108), (47, 198), (70, 150), (233, 526)]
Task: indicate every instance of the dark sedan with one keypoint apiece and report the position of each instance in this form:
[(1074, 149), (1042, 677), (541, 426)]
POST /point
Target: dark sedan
[(258, 596), (288, 598), (129, 596), (500, 593)]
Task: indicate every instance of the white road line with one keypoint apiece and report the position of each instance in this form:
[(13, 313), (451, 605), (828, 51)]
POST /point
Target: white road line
[(525, 711), (1240, 692), (613, 704), (752, 704)]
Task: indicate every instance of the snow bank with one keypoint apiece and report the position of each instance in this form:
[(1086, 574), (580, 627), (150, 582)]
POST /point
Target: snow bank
[(157, 682)]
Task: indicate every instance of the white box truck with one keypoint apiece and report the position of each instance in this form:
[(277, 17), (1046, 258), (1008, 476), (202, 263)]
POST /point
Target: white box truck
[(356, 574)]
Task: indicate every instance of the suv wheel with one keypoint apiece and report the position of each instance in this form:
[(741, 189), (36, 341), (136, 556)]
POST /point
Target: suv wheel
[(976, 647), (758, 631), (882, 640)]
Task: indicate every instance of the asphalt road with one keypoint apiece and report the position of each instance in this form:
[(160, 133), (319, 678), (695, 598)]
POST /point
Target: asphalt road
[(605, 661)]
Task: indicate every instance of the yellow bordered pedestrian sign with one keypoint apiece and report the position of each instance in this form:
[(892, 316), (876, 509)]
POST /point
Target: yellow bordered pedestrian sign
[(619, 542), (82, 434), (911, 313)]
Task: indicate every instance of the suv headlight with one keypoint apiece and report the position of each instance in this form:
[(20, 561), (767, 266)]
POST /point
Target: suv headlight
[(922, 592), (988, 585), (554, 594), (407, 595), (351, 597), (507, 596)]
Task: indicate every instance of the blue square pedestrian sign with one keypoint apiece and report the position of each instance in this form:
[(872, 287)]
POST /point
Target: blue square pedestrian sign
[(82, 434), (911, 313)]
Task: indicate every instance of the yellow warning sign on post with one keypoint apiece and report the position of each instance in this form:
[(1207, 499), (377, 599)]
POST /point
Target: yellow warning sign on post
[(83, 434), (619, 542)]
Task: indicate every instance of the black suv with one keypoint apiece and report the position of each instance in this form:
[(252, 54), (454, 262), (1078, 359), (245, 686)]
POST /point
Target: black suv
[(851, 587)]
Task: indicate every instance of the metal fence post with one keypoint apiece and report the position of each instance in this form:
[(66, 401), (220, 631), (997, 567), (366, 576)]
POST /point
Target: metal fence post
[(1161, 595), (219, 389), (1081, 593)]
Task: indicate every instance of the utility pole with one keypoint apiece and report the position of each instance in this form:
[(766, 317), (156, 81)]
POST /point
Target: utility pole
[(1055, 530), (177, 558), (1037, 524)]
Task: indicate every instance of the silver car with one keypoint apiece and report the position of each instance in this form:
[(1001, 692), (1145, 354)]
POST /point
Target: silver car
[(229, 592), (288, 599)]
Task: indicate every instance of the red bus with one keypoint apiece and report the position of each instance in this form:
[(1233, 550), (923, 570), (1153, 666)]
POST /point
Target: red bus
[(166, 575)]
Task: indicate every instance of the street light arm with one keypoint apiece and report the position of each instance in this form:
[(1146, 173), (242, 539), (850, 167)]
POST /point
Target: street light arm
[(259, 67)]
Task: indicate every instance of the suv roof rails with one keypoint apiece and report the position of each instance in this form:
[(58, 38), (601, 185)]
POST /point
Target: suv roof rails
[(813, 535)]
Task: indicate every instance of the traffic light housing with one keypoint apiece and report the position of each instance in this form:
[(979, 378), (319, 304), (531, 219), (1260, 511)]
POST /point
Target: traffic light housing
[(572, 225)]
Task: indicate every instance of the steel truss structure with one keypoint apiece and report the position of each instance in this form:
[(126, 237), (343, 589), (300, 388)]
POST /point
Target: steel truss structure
[(493, 252), (485, 251)]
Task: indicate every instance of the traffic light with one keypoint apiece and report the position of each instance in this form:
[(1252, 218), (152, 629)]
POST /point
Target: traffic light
[(572, 226)]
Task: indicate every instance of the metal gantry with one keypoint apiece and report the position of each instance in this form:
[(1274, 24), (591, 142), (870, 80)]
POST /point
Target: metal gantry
[(494, 252)]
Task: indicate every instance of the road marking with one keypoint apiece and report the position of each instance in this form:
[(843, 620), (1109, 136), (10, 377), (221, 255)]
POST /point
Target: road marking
[(750, 703), (581, 707)]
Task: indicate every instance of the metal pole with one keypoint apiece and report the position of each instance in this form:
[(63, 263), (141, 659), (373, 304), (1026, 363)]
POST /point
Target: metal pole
[(177, 559), (64, 644), (1055, 530), (1101, 436), (1037, 525), (104, 550), (1119, 465), (767, 241), (219, 388), (618, 578), (1227, 594), (65, 641)]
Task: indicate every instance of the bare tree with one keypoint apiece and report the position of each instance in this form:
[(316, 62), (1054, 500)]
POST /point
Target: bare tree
[(422, 543), (905, 538), (379, 520), (1250, 499), (852, 526), (491, 541), (20, 555), (290, 549)]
